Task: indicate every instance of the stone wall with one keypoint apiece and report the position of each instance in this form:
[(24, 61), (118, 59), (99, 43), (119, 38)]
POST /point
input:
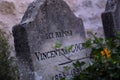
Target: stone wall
[(90, 12), (11, 12)]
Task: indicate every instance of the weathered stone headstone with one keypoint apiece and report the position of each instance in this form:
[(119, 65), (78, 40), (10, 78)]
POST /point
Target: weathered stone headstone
[(47, 29), (111, 18)]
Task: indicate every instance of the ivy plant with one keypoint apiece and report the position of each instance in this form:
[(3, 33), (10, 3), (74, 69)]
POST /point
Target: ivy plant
[(7, 70)]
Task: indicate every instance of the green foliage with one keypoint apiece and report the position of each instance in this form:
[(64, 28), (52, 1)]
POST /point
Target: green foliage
[(58, 45), (78, 64), (68, 48), (87, 44), (7, 71), (66, 68), (105, 59)]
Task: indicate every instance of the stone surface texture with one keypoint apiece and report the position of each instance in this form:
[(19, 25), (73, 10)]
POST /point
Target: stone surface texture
[(12, 11), (111, 18), (90, 12), (45, 23)]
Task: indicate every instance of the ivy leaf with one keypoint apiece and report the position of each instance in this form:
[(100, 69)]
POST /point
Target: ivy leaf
[(87, 43), (62, 79), (118, 35), (58, 45), (66, 68), (78, 64), (69, 48)]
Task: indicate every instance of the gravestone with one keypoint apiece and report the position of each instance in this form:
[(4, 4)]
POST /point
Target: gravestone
[(43, 40), (111, 18)]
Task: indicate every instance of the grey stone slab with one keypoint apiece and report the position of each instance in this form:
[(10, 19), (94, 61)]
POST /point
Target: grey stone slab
[(111, 18), (46, 24)]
